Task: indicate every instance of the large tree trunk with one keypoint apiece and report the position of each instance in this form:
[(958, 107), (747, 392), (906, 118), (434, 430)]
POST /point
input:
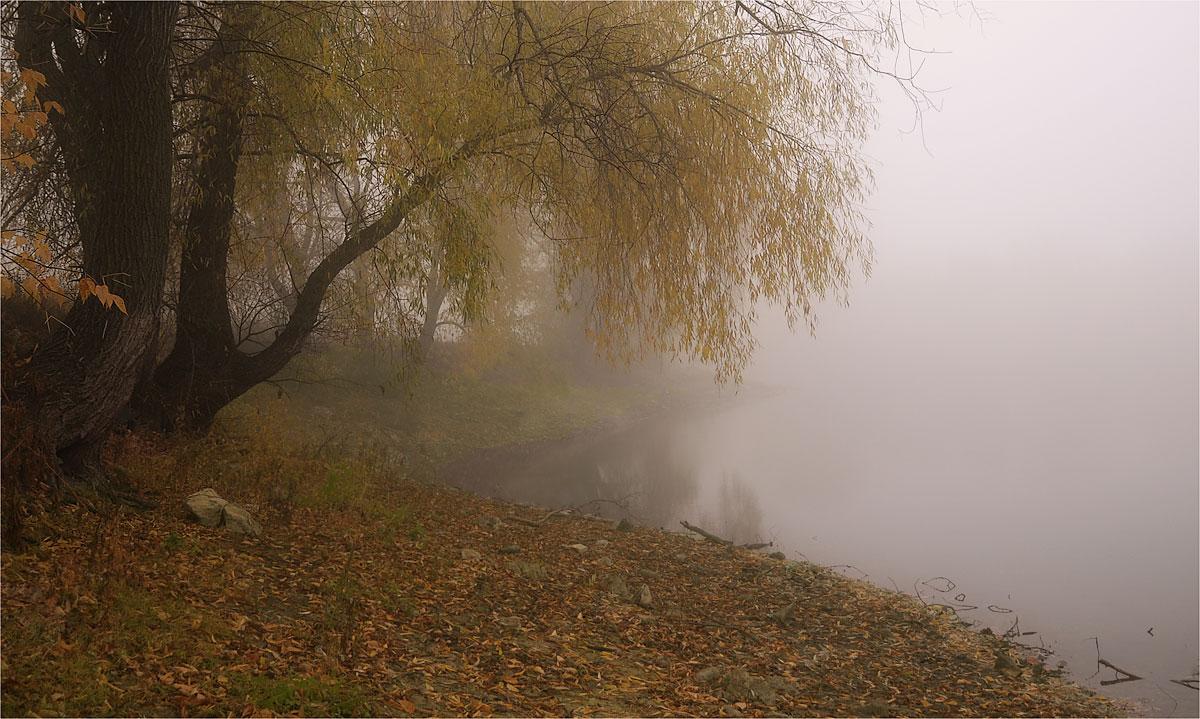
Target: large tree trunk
[(435, 295), (194, 374), (220, 373), (115, 133)]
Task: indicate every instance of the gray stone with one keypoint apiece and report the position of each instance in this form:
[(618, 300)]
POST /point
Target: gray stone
[(605, 561), (600, 543), (492, 523), (1006, 666), (528, 570), (510, 549), (471, 555), (210, 510), (777, 555), (510, 622), (207, 507), (624, 526), (784, 615), (239, 521), (737, 685), (644, 598), (582, 549), (617, 586)]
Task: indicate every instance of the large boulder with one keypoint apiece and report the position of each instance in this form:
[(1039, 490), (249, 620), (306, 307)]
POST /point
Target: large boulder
[(212, 511)]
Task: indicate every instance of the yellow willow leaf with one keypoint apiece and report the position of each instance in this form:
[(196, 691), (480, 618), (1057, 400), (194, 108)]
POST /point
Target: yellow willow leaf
[(120, 303), (103, 295), (33, 78), (87, 287), (77, 13), (42, 250), (25, 160), (27, 263), (32, 287), (6, 287), (10, 107), (53, 105)]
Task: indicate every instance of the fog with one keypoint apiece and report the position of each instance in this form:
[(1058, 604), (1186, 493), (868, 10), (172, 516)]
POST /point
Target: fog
[(1026, 346), (1010, 399)]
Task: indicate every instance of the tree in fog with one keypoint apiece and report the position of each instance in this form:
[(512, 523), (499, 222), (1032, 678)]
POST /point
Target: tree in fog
[(344, 163)]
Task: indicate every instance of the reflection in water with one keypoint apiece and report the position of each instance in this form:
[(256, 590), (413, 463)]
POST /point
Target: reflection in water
[(738, 515), (649, 479), (1033, 552)]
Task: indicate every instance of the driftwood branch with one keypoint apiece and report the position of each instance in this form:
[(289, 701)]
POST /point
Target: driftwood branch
[(543, 520), (1101, 662), (721, 540), (706, 534), (1129, 676), (757, 545)]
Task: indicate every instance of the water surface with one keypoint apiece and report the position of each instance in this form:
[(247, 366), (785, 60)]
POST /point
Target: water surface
[(1074, 543)]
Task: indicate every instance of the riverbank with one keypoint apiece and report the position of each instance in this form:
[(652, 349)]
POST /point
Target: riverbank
[(369, 594)]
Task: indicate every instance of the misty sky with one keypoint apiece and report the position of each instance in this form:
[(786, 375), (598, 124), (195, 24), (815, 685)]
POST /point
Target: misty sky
[(1022, 365), (1037, 265)]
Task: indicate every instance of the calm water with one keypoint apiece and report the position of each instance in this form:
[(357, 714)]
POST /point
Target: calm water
[(1072, 543)]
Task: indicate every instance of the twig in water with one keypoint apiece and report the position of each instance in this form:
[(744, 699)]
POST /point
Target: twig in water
[(950, 585), (1129, 676), (706, 534)]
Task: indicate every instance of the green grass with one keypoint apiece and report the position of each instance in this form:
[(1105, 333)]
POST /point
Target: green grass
[(431, 417), (310, 696)]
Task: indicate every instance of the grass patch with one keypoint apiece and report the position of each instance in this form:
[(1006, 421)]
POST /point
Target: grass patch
[(309, 696)]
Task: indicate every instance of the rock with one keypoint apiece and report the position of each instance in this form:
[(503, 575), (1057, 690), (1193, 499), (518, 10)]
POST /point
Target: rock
[(239, 521), (207, 507), (492, 523), (510, 549), (510, 622), (577, 547), (1006, 666), (617, 586), (777, 555), (605, 561), (681, 557), (738, 685), (210, 510), (624, 526), (783, 615), (644, 598), (528, 570), (471, 555), (877, 709), (600, 543)]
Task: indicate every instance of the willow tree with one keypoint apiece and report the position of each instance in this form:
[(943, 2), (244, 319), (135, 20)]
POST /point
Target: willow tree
[(684, 160), (112, 126)]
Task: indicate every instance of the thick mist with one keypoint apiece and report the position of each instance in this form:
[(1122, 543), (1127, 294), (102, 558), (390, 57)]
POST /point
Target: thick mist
[(1010, 400), (1021, 366)]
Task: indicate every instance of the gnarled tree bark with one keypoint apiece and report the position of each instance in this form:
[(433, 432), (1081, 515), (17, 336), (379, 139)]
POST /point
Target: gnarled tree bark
[(115, 132)]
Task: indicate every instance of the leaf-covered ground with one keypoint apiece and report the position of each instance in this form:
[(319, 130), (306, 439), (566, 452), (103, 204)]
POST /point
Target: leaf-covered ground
[(360, 600)]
